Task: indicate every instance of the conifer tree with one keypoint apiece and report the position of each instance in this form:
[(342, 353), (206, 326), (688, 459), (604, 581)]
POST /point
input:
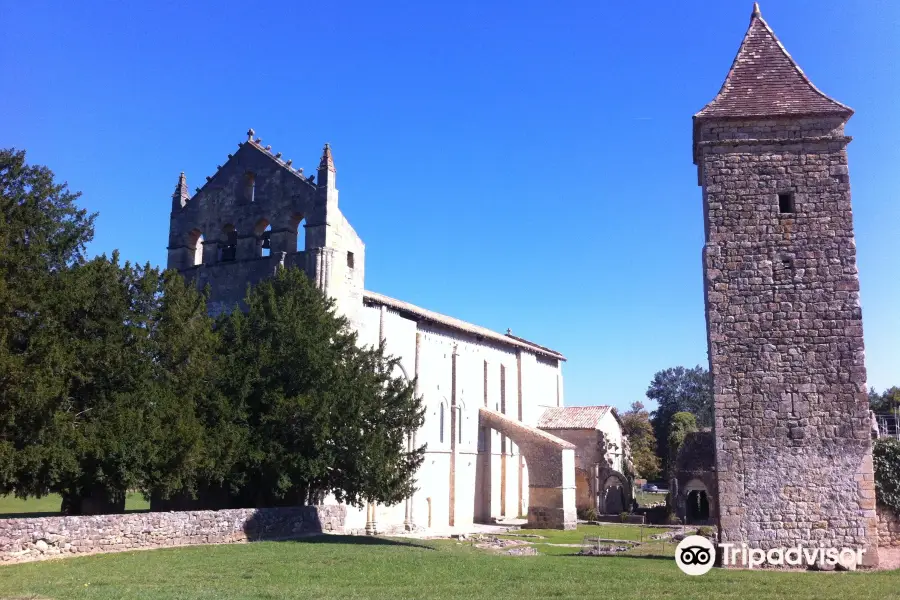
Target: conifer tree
[(323, 415)]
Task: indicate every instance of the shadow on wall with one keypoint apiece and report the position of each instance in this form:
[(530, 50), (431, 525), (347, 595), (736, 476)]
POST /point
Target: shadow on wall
[(309, 524)]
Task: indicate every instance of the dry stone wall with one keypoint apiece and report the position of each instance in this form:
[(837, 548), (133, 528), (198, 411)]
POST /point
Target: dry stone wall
[(793, 452), (888, 527), (28, 539)]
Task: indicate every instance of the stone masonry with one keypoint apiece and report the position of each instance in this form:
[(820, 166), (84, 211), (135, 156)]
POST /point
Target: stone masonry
[(793, 451), (29, 539)]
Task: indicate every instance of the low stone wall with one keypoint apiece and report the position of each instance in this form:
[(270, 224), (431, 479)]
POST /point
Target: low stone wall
[(888, 527), (25, 539)]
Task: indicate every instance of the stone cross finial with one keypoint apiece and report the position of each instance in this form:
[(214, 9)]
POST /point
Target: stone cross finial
[(250, 134), (508, 331)]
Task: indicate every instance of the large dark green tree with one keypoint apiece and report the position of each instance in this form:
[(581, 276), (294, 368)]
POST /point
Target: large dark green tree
[(679, 390), (323, 415), (43, 233), (101, 421), (195, 438)]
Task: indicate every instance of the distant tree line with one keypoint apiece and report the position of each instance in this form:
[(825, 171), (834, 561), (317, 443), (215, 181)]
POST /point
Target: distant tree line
[(113, 378)]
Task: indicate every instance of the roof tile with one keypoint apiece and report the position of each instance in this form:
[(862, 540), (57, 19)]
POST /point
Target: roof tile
[(572, 417), (765, 81)]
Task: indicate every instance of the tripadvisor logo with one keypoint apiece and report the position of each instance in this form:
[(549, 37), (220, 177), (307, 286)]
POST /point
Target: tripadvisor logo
[(695, 555)]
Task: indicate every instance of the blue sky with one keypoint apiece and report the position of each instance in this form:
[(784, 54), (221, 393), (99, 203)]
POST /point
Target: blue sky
[(519, 165)]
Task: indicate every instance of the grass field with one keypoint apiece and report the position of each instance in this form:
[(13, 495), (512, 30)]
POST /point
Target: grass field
[(49, 505), (346, 567)]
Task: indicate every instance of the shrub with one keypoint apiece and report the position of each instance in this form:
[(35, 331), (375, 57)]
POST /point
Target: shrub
[(886, 456), (623, 516), (674, 520), (705, 531)]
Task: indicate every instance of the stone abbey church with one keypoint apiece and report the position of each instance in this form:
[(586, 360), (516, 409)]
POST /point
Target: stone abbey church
[(792, 455), (495, 430)]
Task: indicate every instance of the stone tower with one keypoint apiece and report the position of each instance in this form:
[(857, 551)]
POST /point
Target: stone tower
[(247, 220), (784, 326)]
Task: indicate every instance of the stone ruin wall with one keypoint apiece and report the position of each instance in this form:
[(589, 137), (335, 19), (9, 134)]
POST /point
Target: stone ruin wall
[(888, 528), (30, 539), (793, 452)]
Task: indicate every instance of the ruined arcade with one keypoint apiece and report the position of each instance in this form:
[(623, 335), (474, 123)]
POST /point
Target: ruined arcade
[(793, 452)]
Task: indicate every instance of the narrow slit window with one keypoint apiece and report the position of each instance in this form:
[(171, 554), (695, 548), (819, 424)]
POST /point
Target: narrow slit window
[(349, 260), (250, 186), (786, 203), (441, 431)]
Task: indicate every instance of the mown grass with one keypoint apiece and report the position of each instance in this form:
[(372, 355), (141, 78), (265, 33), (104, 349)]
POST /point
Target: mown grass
[(344, 567), (49, 505), (647, 498)]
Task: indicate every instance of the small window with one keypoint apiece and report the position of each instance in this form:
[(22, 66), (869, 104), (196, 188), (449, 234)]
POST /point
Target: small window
[(349, 260), (250, 186), (442, 424), (786, 203), (266, 241)]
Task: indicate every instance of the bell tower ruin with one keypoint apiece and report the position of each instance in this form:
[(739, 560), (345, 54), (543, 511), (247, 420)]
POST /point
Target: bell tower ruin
[(784, 324)]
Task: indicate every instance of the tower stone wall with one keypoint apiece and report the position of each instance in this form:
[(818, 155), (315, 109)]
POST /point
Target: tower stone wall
[(785, 335)]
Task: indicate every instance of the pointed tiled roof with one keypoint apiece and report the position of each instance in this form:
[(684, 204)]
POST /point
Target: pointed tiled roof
[(765, 81)]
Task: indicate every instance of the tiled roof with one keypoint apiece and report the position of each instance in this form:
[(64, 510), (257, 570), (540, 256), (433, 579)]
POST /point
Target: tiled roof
[(419, 313), (765, 81), (572, 417)]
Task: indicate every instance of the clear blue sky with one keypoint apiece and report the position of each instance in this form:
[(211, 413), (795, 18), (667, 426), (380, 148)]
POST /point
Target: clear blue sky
[(523, 165)]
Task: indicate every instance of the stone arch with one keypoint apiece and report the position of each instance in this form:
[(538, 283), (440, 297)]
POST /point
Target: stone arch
[(551, 470), (263, 231), (195, 247), (297, 225), (615, 492)]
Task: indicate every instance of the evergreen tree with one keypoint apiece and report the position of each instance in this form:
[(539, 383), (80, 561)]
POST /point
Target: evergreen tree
[(42, 234), (194, 438), (100, 424), (323, 415)]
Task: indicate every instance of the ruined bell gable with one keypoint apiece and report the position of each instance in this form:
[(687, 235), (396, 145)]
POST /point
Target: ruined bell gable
[(258, 212)]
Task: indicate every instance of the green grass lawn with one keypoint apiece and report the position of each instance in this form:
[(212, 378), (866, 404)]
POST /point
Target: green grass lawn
[(344, 567), (647, 498), (49, 505)]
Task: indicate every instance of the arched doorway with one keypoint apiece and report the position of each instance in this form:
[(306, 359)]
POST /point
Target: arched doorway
[(696, 502), (613, 496), (697, 508), (615, 492)]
